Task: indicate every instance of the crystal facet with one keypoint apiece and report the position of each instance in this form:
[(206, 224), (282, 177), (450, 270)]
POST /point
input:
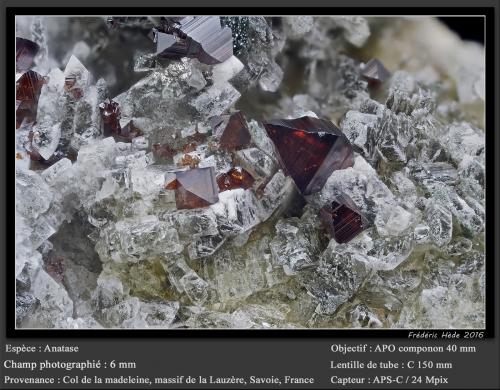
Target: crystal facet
[(237, 177), (232, 131), (28, 88), (375, 72), (163, 151), (112, 125), (26, 51), (309, 150), (201, 37), (76, 77), (110, 114), (343, 219), (128, 132), (194, 188)]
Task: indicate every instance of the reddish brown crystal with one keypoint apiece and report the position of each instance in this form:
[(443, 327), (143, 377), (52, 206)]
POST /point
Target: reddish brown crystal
[(200, 37), (189, 161), (163, 151), (172, 185), (28, 88), (343, 219), (232, 131), (55, 267), (28, 146), (111, 114), (189, 147), (194, 188), (128, 132), (309, 150), (375, 72), (26, 51), (193, 141), (236, 177)]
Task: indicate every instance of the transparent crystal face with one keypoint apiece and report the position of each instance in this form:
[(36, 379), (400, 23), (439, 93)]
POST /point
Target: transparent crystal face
[(248, 172)]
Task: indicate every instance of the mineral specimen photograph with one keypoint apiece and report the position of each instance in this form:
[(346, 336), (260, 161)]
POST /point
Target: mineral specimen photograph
[(248, 172)]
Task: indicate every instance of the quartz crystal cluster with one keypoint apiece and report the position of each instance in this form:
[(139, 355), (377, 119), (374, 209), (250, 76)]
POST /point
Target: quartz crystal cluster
[(248, 172)]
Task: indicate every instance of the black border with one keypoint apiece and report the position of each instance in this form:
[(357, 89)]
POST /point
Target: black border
[(488, 12)]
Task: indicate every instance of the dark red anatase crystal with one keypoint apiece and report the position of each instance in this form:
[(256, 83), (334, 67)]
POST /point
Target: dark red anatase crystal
[(28, 88), (55, 267), (375, 72), (111, 114), (236, 177), (164, 151), (232, 131), (309, 150), (193, 141), (343, 219), (200, 37), (26, 51), (194, 188)]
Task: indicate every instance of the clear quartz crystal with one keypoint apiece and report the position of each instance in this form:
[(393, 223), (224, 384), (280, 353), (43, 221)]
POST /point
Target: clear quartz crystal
[(440, 221), (261, 139), (39, 35), (42, 229), (33, 196), (235, 213), (144, 62), (388, 253), (46, 139), (215, 100), (187, 281), (52, 173), (445, 195), (461, 139), (87, 118), (392, 220), (260, 317), (356, 29), (291, 249), (147, 181), (240, 210), (55, 303), (51, 98), (133, 313), (239, 273), (76, 75), (434, 172), (361, 317), (298, 26), (357, 126), (271, 78), (136, 240), (256, 162), (276, 191), (336, 278)]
